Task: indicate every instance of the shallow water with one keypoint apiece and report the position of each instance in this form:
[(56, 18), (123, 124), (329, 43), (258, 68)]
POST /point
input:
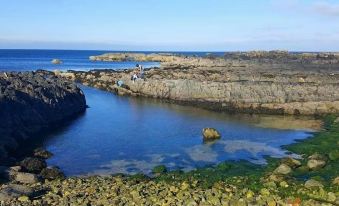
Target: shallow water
[(130, 135)]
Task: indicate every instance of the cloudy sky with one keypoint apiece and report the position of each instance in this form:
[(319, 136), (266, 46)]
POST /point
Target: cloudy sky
[(173, 25)]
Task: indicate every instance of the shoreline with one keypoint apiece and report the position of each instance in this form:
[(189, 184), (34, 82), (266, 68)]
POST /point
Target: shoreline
[(278, 183), (226, 183)]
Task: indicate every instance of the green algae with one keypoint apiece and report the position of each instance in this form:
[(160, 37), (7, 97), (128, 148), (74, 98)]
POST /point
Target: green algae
[(246, 175)]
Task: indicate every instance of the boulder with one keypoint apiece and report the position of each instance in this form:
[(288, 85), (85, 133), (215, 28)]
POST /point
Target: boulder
[(32, 164), (313, 183), (14, 191), (293, 163), (316, 161), (317, 156), (210, 134), (42, 153), (52, 173), (336, 181), (283, 169), (56, 61), (315, 164), (26, 178)]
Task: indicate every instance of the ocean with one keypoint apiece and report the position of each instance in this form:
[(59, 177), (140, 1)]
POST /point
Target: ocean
[(30, 60)]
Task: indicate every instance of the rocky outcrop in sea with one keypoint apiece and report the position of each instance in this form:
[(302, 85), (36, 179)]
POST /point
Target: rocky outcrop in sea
[(31, 102)]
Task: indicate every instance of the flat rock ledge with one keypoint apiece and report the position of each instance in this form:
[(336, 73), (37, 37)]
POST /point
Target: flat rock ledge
[(31, 102), (270, 86)]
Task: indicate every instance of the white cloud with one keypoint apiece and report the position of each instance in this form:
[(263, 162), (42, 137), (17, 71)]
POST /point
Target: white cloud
[(325, 8)]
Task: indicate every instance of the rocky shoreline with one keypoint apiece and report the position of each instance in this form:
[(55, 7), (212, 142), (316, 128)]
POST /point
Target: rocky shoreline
[(253, 86), (270, 83), (233, 184), (32, 102)]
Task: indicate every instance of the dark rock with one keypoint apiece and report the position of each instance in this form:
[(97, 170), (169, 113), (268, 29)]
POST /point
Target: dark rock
[(31, 102), (42, 153), (52, 173), (32, 164)]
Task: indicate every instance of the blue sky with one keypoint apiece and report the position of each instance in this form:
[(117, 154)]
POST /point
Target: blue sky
[(170, 25)]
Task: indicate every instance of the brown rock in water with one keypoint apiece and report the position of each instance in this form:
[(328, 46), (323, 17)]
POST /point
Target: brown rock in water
[(336, 181), (293, 163), (210, 134), (283, 169), (316, 161), (313, 183)]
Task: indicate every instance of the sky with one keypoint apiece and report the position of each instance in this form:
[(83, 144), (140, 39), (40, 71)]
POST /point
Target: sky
[(170, 25)]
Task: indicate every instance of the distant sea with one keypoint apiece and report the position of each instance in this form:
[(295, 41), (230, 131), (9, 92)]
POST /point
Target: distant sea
[(30, 60)]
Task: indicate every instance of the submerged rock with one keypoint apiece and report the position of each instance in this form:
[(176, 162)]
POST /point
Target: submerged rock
[(293, 163), (283, 169), (336, 181), (315, 164), (316, 161), (210, 134), (313, 183)]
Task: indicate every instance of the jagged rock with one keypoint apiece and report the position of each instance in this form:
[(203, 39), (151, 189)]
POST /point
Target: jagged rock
[(210, 134), (33, 101), (313, 183), (229, 85), (26, 178), (32, 164), (283, 169), (52, 173), (42, 153), (14, 191)]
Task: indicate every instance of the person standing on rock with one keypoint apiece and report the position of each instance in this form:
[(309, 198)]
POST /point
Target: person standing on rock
[(141, 72)]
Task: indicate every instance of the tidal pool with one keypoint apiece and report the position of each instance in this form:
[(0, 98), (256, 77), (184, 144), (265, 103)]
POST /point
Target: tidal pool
[(132, 135)]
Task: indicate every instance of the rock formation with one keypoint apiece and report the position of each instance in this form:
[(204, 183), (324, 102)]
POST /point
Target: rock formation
[(34, 101), (271, 82), (56, 61)]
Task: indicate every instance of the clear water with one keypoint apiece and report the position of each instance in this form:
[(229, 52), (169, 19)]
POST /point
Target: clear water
[(130, 135)]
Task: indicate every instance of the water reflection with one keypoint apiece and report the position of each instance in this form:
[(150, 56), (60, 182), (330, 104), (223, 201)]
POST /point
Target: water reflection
[(130, 135)]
